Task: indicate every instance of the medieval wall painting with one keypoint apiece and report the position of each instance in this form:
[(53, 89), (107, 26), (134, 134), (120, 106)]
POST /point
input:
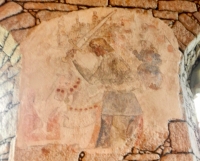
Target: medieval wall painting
[(99, 81)]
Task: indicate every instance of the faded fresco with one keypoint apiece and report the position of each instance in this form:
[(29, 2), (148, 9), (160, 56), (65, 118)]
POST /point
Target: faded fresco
[(85, 79)]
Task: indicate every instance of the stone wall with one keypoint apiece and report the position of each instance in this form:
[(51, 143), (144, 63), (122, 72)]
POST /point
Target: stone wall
[(9, 101), (188, 60), (20, 18)]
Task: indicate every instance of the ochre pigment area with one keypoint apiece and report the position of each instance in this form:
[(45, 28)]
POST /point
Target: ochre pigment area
[(100, 81)]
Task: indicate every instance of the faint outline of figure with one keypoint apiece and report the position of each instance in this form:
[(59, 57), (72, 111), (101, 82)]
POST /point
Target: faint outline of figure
[(49, 110), (119, 118), (112, 70), (149, 72)]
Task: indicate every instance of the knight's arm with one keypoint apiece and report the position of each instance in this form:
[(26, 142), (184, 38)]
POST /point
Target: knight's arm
[(86, 73)]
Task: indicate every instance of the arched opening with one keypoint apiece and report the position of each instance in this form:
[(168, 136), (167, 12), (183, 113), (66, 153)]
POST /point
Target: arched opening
[(177, 127), (189, 92), (195, 87)]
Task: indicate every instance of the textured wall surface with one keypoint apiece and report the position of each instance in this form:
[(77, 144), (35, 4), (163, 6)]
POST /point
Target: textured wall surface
[(114, 74), (21, 16), (180, 141), (9, 95)]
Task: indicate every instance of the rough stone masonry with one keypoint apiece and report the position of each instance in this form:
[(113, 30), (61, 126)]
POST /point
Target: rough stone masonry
[(21, 17)]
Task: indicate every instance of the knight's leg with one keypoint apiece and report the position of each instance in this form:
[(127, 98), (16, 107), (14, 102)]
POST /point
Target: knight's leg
[(120, 131), (104, 135)]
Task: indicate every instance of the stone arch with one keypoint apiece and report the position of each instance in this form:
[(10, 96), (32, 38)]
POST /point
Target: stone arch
[(10, 57), (190, 56), (185, 68), (176, 127)]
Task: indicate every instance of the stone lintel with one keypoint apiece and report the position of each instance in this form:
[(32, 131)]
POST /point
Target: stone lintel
[(177, 6), (88, 2), (182, 34), (142, 157), (47, 15), (197, 15), (189, 24), (166, 14), (50, 6), (20, 21), (135, 3), (9, 9)]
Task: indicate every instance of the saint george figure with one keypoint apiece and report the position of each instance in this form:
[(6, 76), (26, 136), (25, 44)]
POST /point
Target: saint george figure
[(120, 110), (111, 70)]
